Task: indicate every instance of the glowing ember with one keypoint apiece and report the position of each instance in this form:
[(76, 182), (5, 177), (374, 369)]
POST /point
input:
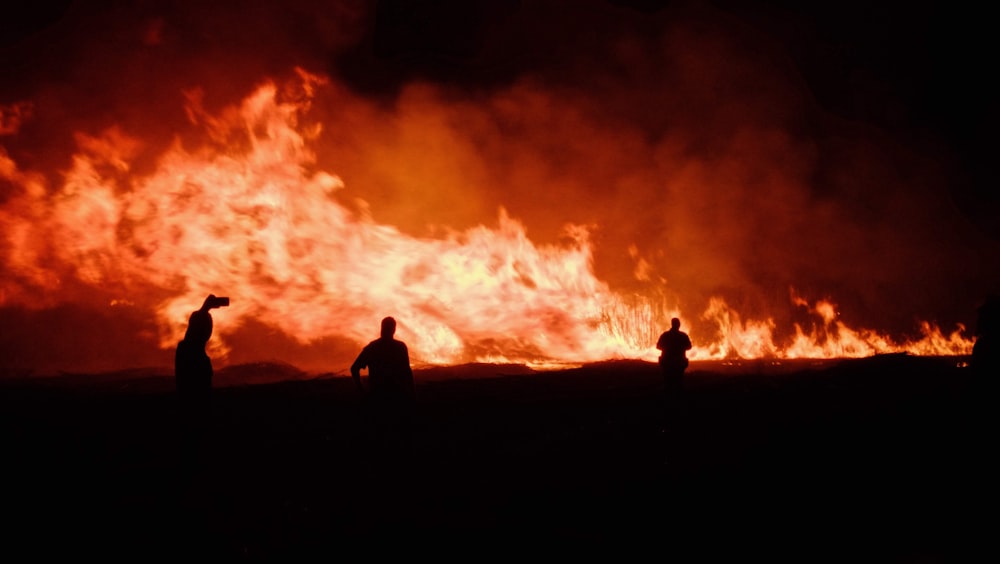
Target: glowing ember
[(249, 213)]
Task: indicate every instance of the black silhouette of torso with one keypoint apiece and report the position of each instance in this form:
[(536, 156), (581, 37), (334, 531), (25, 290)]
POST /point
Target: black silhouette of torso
[(192, 370), (389, 374), (673, 345), (192, 366)]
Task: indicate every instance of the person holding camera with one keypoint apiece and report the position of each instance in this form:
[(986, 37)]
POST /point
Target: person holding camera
[(192, 366), (193, 377)]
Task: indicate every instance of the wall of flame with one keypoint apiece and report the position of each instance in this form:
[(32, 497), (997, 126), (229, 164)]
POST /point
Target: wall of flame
[(551, 218)]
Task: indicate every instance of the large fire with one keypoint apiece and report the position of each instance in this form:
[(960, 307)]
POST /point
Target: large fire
[(248, 212)]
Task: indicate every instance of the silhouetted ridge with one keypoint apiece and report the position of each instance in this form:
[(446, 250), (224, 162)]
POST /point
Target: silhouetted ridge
[(473, 370), (258, 373)]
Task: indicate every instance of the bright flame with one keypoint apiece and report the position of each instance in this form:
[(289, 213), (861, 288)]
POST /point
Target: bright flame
[(250, 215)]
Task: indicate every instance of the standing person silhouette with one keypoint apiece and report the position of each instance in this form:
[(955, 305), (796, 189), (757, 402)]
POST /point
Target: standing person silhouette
[(985, 365), (986, 350), (192, 367), (390, 378), (193, 378), (389, 403), (390, 394), (673, 345)]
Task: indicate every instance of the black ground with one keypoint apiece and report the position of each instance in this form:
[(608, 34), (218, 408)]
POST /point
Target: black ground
[(882, 459)]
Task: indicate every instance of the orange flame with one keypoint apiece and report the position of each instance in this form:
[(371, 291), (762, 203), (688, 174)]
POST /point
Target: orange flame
[(249, 214)]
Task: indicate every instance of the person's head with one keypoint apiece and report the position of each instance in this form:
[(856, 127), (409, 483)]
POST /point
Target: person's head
[(675, 323), (199, 328), (388, 327)]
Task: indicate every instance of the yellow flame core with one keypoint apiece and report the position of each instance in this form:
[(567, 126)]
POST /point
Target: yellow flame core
[(248, 214)]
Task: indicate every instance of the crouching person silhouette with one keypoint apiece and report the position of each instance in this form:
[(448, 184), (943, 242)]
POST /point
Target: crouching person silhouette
[(389, 397)]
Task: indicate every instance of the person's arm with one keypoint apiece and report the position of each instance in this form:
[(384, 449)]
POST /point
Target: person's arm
[(408, 373), (207, 304), (179, 366), (359, 363)]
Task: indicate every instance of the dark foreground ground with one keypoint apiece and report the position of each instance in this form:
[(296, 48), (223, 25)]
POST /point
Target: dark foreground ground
[(882, 459)]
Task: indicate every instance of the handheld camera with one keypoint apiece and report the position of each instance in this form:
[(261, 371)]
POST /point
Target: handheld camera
[(213, 301)]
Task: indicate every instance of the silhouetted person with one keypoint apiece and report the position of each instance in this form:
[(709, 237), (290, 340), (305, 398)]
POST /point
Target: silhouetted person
[(193, 377), (390, 378), (389, 403), (389, 398), (674, 345), (979, 413), (192, 367), (986, 351)]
